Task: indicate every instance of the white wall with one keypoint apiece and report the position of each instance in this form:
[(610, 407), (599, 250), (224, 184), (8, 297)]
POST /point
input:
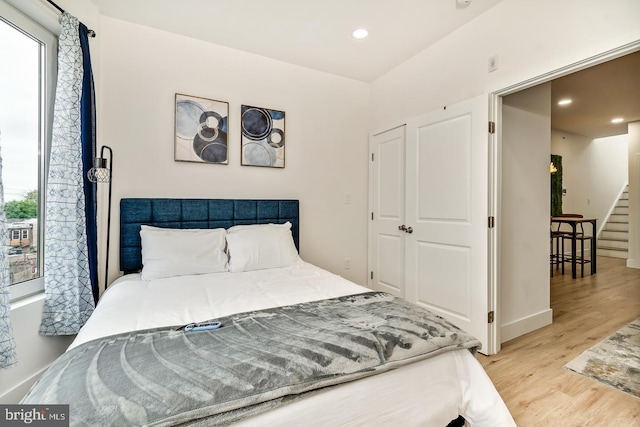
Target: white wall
[(633, 261), (593, 172), (531, 38), (524, 225), (34, 351), (326, 135)]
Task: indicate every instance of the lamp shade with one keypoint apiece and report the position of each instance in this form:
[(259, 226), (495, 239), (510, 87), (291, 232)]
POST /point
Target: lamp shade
[(99, 172)]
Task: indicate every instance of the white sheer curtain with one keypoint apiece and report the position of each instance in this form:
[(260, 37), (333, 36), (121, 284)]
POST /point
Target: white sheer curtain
[(68, 295), (7, 343)]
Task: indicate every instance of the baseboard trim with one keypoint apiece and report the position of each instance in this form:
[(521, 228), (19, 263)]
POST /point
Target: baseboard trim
[(633, 263), (525, 325), (16, 393)]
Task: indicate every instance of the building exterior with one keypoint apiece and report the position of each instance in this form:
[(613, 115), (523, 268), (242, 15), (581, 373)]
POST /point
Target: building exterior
[(22, 249), (21, 235)]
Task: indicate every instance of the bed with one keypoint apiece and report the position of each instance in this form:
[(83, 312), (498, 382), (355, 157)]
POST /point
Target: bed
[(298, 345)]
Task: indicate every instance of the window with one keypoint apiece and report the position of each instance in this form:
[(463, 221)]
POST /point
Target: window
[(27, 75)]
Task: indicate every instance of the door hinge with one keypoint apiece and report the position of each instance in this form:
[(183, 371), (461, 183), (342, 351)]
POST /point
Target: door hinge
[(372, 275), (372, 157), (492, 222), (492, 127), (490, 317), (371, 216)]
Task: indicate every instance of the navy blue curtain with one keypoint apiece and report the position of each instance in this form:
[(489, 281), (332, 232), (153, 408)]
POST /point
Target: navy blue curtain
[(88, 138)]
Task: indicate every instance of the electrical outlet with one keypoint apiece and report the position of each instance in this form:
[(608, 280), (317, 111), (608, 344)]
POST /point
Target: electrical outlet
[(347, 198)]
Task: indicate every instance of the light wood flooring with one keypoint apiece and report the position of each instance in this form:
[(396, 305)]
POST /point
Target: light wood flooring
[(529, 374)]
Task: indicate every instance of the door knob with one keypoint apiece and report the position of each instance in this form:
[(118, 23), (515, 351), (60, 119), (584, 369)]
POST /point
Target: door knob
[(409, 230), (402, 227)]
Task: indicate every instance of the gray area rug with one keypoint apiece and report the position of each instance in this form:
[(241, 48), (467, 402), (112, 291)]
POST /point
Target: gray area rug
[(614, 361)]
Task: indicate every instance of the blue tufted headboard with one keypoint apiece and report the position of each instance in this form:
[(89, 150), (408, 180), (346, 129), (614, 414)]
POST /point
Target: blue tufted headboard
[(196, 213)]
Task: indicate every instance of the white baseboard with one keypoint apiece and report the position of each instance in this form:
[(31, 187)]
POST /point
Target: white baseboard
[(633, 263), (525, 325), (16, 393)]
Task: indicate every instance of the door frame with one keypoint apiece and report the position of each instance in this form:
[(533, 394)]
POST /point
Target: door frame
[(495, 162)]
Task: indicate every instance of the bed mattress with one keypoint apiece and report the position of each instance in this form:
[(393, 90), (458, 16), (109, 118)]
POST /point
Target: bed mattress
[(430, 392)]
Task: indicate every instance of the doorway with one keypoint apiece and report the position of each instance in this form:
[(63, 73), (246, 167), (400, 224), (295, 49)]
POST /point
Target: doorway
[(522, 254)]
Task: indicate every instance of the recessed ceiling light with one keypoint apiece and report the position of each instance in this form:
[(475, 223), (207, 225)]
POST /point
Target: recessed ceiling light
[(360, 33), (617, 120), (564, 102)]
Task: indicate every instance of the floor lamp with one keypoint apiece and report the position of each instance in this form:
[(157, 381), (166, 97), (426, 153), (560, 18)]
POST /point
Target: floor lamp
[(101, 172)]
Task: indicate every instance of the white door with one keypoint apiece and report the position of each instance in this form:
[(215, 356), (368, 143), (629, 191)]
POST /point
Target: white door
[(387, 180), (447, 212)]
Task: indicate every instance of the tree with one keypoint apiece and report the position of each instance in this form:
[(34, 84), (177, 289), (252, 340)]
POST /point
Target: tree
[(31, 196), (23, 209)]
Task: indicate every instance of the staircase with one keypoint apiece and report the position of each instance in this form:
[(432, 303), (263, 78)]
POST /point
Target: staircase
[(614, 239)]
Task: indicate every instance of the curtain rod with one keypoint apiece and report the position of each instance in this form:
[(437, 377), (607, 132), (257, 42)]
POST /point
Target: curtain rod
[(61, 10)]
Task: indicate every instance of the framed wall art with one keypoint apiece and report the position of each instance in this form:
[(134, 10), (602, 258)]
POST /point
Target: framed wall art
[(201, 130), (262, 137)]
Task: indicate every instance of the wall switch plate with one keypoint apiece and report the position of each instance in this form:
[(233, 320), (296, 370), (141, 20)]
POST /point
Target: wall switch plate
[(493, 63), (347, 198), (347, 263)]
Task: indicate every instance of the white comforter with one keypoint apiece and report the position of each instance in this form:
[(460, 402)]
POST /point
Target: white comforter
[(428, 393)]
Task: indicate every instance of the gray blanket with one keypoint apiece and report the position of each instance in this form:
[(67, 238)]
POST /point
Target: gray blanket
[(255, 361)]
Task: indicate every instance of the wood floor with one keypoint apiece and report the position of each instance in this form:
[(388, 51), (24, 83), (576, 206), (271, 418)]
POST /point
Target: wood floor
[(528, 372)]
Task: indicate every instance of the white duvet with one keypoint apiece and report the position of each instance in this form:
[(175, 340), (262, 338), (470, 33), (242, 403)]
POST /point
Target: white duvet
[(431, 392)]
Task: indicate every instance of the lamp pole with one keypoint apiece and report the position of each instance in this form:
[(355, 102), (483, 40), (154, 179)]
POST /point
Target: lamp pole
[(102, 172), (110, 168)]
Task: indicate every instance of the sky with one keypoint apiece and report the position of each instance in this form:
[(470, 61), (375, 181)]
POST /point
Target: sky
[(19, 118)]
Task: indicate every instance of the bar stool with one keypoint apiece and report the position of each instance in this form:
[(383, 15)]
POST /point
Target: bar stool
[(556, 236), (580, 236), (554, 256)]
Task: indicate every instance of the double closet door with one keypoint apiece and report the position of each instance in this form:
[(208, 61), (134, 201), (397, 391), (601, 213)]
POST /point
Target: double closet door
[(429, 213)]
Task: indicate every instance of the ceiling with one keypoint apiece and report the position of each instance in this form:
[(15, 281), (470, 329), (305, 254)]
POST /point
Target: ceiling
[(599, 94), (312, 34), (317, 35)]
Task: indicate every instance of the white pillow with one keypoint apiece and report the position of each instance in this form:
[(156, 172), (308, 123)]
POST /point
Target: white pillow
[(168, 252), (261, 246), (235, 228)]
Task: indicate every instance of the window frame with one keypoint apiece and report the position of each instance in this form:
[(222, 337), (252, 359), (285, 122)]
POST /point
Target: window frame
[(48, 74)]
